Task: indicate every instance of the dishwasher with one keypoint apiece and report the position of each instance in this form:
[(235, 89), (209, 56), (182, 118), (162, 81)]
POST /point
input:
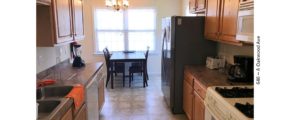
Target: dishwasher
[(92, 95)]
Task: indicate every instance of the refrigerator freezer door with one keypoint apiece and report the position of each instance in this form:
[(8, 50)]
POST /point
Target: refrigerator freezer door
[(165, 60)]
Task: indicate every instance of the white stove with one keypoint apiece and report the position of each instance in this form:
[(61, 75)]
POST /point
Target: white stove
[(228, 102)]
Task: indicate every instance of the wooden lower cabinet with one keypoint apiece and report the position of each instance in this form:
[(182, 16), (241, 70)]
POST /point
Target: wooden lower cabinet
[(82, 114), (198, 107), (193, 96), (68, 115), (187, 99), (101, 91)]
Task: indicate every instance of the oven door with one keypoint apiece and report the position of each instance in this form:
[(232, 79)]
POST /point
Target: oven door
[(208, 115), (245, 28)]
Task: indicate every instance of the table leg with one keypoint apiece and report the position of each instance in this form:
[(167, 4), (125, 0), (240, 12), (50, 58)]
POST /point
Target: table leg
[(112, 76), (144, 74)]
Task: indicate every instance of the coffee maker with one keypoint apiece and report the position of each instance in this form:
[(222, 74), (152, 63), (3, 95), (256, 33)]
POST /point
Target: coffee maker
[(76, 55), (242, 70)]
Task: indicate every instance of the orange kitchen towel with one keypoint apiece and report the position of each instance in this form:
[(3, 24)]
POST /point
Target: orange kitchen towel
[(77, 94), (45, 82)]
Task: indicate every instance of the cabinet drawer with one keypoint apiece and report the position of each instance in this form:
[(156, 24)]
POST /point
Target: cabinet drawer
[(199, 88), (188, 77)]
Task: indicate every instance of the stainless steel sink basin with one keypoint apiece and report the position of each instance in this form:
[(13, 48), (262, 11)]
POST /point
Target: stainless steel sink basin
[(52, 102), (53, 92), (47, 106), (53, 109)]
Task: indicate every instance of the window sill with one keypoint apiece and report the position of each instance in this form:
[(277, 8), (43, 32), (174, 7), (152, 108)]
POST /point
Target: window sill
[(150, 53)]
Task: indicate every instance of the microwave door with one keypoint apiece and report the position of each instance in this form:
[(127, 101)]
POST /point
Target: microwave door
[(245, 26)]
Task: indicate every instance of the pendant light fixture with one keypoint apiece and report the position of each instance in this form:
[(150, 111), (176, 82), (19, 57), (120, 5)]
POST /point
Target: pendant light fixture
[(117, 4)]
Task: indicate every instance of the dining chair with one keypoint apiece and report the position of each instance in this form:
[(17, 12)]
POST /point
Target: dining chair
[(118, 67), (136, 67)]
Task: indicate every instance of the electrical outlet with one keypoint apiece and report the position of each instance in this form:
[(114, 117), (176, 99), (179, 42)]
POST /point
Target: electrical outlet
[(61, 51), (39, 60), (65, 52)]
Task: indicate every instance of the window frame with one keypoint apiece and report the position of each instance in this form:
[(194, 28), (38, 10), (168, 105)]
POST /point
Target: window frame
[(125, 31)]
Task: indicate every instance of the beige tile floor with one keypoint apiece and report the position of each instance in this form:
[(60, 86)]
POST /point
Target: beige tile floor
[(137, 103)]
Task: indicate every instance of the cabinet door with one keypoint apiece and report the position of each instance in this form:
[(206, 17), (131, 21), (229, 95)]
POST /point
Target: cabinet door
[(212, 19), (187, 99), (101, 96), (198, 107), (228, 22), (192, 6), (200, 5), (63, 26), (68, 115), (43, 2), (82, 114), (78, 21)]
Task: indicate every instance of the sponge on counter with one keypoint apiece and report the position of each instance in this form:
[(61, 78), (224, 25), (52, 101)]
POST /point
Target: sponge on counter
[(45, 82)]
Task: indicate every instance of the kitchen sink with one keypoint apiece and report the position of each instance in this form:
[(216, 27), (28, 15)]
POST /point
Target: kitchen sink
[(52, 109), (52, 102), (53, 92), (47, 106)]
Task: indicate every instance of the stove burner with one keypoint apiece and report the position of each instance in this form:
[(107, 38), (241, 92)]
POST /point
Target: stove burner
[(236, 92), (247, 109)]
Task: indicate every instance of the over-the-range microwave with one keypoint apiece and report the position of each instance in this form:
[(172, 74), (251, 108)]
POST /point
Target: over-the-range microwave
[(245, 26)]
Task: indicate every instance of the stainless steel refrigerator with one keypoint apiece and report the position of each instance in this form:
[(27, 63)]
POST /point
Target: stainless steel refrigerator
[(183, 44)]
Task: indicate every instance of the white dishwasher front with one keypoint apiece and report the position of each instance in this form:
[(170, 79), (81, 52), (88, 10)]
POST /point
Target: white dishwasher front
[(92, 97)]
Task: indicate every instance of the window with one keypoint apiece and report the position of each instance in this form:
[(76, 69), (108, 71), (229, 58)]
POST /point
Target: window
[(133, 29)]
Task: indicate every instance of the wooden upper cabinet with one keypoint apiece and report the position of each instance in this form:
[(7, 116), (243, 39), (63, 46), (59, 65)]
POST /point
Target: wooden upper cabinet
[(192, 6), (212, 19), (228, 21), (78, 21), (200, 5), (197, 6), (59, 22), (62, 11), (43, 2), (221, 20)]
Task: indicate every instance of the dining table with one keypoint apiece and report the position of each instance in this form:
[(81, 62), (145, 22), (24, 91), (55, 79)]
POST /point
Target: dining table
[(136, 56)]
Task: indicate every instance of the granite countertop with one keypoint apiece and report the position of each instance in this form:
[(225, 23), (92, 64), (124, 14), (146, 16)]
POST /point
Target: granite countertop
[(208, 77), (65, 74)]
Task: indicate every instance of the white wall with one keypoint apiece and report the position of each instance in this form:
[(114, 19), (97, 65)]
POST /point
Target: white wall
[(230, 50), (164, 8), (49, 56)]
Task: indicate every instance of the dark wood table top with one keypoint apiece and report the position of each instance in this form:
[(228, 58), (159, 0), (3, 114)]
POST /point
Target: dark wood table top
[(121, 56)]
